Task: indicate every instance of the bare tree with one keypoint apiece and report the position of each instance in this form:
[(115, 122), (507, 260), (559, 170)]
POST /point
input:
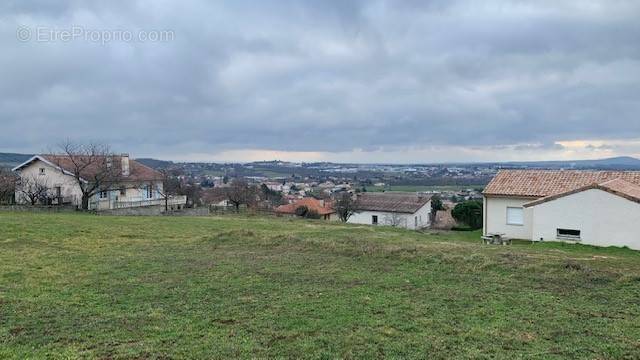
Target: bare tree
[(92, 166), (241, 193), (7, 185), (34, 189), (272, 197), (193, 192), (170, 186), (344, 206)]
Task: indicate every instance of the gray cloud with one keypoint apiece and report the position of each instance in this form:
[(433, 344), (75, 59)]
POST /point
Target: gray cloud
[(323, 75)]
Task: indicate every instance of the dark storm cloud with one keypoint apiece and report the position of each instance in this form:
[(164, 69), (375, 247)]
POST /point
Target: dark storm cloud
[(322, 75)]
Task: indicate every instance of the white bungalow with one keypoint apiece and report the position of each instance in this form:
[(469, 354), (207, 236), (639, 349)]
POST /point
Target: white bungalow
[(600, 208), (407, 210)]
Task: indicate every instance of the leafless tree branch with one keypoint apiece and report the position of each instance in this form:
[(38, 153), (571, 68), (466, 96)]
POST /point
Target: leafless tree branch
[(34, 189), (92, 165)]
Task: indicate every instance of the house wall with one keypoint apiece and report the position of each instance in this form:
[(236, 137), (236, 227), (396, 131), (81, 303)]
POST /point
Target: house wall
[(387, 218), (331, 217), (604, 219), (52, 178), (133, 192), (328, 217), (495, 217)]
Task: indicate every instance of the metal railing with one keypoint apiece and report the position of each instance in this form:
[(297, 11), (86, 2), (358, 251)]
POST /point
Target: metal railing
[(171, 201)]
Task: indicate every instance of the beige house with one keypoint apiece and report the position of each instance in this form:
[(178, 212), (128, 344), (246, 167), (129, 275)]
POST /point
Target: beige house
[(600, 208), (135, 184)]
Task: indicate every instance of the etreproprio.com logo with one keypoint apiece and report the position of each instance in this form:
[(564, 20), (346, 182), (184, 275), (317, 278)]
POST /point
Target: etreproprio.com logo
[(100, 36)]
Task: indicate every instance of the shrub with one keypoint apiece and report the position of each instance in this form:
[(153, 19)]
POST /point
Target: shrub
[(312, 214), (469, 213), (302, 211)]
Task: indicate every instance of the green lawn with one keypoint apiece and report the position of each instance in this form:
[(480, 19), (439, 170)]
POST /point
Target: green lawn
[(82, 286)]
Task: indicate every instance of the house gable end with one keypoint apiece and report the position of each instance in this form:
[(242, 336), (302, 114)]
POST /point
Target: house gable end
[(37, 158)]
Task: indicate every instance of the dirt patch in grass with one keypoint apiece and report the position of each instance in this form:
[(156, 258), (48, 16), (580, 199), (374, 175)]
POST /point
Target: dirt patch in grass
[(230, 236)]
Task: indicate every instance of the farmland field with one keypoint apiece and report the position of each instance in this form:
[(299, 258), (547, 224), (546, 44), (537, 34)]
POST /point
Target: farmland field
[(83, 286), (425, 188)]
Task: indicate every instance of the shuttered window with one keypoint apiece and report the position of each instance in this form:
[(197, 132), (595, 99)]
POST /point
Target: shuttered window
[(515, 216)]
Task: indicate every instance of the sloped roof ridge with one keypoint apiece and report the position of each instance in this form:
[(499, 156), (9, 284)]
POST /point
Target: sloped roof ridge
[(617, 186), (542, 183)]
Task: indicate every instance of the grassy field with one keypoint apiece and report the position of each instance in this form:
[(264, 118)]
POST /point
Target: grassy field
[(416, 188), (82, 286)]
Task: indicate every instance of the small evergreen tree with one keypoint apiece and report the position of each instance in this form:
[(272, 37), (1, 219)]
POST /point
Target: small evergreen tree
[(436, 205), (469, 213)]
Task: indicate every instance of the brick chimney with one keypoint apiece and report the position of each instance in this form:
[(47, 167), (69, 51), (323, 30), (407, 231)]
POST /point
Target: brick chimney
[(125, 164)]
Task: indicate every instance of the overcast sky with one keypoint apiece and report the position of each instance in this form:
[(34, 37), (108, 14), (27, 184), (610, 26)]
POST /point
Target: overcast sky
[(349, 81)]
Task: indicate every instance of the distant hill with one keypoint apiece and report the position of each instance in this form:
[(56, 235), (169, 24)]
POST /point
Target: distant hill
[(154, 163), (10, 160), (616, 163)]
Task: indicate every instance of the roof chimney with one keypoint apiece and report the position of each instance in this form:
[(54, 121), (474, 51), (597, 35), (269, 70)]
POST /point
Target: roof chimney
[(125, 164)]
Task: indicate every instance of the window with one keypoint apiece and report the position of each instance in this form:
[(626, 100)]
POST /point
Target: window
[(149, 191), (42, 171), (103, 195), (515, 216), (374, 219), (416, 221), (568, 234)]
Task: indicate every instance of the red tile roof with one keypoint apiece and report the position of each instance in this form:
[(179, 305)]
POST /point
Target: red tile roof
[(543, 183), (616, 186), (623, 187), (137, 171), (312, 204)]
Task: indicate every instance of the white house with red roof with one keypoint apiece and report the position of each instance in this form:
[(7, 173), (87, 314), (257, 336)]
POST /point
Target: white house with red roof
[(407, 210), (600, 208)]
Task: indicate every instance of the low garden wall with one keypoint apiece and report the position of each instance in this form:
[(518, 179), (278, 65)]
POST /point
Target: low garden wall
[(38, 208), (155, 211), (135, 211)]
